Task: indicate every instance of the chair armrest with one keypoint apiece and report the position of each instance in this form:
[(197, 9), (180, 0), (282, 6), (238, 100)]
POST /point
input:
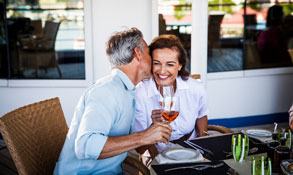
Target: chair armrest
[(220, 129)]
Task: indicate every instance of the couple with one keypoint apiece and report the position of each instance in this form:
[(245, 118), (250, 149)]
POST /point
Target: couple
[(112, 117)]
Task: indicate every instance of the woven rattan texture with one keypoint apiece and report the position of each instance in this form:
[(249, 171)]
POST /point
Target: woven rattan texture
[(34, 135), (195, 76)]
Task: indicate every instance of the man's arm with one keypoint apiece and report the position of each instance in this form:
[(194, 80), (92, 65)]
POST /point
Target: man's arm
[(158, 132), (201, 126)]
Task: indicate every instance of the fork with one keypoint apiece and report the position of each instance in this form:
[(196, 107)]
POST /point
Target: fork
[(196, 167)]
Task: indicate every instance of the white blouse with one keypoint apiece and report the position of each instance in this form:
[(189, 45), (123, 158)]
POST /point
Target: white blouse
[(193, 105)]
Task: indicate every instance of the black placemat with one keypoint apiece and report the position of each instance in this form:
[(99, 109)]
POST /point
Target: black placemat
[(218, 144), (160, 169)]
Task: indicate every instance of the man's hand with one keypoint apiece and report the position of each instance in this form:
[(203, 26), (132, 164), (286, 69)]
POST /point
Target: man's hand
[(291, 117), (156, 116), (158, 132)]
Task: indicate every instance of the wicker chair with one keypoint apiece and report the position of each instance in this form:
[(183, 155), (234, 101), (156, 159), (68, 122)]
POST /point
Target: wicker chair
[(195, 76), (35, 134), (220, 129), (133, 166)]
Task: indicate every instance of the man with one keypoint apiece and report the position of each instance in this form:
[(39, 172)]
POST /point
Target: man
[(99, 135), (291, 117)]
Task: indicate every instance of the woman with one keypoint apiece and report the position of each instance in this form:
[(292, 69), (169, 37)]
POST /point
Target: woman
[(169, 68)]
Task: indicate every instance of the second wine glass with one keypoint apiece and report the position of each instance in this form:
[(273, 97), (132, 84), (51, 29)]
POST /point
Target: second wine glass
[(169, 103)]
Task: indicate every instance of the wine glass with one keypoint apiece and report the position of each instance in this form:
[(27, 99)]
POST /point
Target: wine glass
[(166, 101), (170, 106)]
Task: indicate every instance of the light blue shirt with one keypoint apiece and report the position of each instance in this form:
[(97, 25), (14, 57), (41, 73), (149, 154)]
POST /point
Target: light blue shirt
[(105, 109)]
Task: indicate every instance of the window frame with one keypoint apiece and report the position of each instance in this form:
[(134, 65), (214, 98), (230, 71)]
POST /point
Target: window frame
[(199, 49), (63, 82)]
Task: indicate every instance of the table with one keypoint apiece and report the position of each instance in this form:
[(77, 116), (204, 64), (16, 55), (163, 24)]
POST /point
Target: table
[(223, 144)]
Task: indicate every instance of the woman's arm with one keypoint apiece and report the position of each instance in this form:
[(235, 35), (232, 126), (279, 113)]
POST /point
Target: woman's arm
[(201, 126)]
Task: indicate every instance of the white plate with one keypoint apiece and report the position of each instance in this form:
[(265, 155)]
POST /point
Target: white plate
[(180, 153), (259, 132)]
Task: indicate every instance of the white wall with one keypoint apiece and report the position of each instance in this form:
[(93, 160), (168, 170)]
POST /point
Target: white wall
[(109, 16), (236, 94), (250, 95), (12, 98)]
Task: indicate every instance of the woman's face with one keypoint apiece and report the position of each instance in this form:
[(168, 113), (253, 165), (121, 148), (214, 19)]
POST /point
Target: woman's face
[(165, 66)]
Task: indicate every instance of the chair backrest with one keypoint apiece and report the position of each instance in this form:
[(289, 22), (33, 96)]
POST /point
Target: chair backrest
[(214, 27), (250, 19), (34, 135), (195, 76), (50, 32), (37, 25), (252, 55)]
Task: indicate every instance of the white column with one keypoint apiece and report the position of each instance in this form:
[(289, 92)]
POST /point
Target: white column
[(199, 38)]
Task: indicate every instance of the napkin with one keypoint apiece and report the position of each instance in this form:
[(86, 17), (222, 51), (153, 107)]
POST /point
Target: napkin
[(164, 160)]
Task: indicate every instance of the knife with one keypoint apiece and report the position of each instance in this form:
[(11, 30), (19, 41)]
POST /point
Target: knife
[(199, 147)]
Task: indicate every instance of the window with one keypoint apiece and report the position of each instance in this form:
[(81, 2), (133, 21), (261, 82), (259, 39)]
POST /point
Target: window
[(237, 32), (42, 39), (175, 18)]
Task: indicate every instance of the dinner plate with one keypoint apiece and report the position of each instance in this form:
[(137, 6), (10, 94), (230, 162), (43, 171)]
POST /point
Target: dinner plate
[(259, 132), (180, 153)]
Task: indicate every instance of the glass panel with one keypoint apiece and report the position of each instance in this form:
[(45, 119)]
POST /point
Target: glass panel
[(225, 35), (242, 40), (3, 42), (175, 18), (46, 39), (268, 34)]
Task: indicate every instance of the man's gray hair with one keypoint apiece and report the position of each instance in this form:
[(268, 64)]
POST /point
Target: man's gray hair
[(120, 47)]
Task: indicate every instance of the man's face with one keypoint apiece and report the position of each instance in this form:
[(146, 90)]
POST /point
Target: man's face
[(146, 64)]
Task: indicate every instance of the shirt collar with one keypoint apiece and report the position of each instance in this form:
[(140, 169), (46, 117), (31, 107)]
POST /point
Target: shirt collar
[(152, 90), (124, 78)]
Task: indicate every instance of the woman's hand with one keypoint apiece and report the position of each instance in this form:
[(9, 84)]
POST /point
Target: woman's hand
[(157, 116)]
